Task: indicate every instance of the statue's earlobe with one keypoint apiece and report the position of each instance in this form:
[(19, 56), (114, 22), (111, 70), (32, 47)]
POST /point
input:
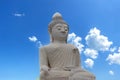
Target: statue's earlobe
[(51, 38)]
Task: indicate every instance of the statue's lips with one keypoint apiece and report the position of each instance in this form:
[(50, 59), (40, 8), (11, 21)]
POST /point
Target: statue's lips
[(63, 33)]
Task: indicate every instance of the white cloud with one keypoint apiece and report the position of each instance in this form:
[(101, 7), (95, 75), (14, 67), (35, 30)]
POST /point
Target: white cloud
[(19, 14), (71, 36), (111, 72), (33, 38), (113, 49), (36, 41), (39, 44), (89, 63), (119, 49), (114, 58), (97, 41), (91, 53), (75, 40)]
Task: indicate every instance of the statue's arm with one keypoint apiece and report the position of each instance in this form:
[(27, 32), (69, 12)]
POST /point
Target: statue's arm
[(43, 60), (78, 58)]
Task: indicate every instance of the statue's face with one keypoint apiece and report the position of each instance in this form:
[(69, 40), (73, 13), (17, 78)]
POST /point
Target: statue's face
[(60, 31)]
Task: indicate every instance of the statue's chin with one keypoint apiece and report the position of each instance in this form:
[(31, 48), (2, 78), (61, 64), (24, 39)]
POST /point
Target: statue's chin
[(63, 36)]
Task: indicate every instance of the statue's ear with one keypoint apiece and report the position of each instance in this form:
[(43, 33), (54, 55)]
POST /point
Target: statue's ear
[(49, 30), (52, 39)]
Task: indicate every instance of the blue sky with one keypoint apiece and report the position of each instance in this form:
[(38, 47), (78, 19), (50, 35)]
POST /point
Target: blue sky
[(93, 24)]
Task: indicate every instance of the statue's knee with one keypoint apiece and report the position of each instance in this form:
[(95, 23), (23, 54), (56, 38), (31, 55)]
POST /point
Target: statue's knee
[(42, 75)]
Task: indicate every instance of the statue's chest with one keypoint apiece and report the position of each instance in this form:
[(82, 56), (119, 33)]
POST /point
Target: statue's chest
[(61, 51)]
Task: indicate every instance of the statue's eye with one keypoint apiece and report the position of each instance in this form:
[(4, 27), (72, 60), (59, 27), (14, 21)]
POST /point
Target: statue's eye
[(59, 28), (66, 29)]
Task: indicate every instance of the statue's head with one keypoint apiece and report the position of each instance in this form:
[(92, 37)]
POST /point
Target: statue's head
[(58, 28)]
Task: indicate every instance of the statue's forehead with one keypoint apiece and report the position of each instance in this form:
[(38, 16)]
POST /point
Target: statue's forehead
[(60, 24)]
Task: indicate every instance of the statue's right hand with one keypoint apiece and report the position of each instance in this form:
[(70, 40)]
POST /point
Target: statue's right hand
[(44, 68)]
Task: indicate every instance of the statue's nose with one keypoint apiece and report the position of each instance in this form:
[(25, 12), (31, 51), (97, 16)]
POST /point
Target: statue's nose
[(63, 31)]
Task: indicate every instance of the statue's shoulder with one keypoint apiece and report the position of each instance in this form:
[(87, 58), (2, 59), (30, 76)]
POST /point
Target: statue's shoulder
[(71, 45), (46, 47)]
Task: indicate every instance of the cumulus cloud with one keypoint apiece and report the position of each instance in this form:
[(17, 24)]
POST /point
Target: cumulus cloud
[(39, 44), (19, 14), (36, 41), (114, 58), (119, 49), (89, 63), (91, 53), (75, 40), (113, 49), (95, 40), (111, 72), (33, 38)]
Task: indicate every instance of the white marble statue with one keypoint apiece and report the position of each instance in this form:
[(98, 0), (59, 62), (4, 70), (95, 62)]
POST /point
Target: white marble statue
[(60, 60)]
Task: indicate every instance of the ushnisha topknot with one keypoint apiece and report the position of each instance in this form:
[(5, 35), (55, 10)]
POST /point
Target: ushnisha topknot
[(56, 18)]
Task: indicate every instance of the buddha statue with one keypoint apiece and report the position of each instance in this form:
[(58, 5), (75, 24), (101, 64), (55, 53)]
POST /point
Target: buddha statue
[(60, 60)]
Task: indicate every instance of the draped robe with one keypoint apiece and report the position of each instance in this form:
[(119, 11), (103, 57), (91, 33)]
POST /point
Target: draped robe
[(64, 63)]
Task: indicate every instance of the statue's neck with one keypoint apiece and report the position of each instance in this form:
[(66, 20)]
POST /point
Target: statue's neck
[(59, 41)]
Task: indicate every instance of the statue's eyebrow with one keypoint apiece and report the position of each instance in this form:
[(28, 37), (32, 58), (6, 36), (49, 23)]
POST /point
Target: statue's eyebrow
[(58, 26), (65, 27)]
